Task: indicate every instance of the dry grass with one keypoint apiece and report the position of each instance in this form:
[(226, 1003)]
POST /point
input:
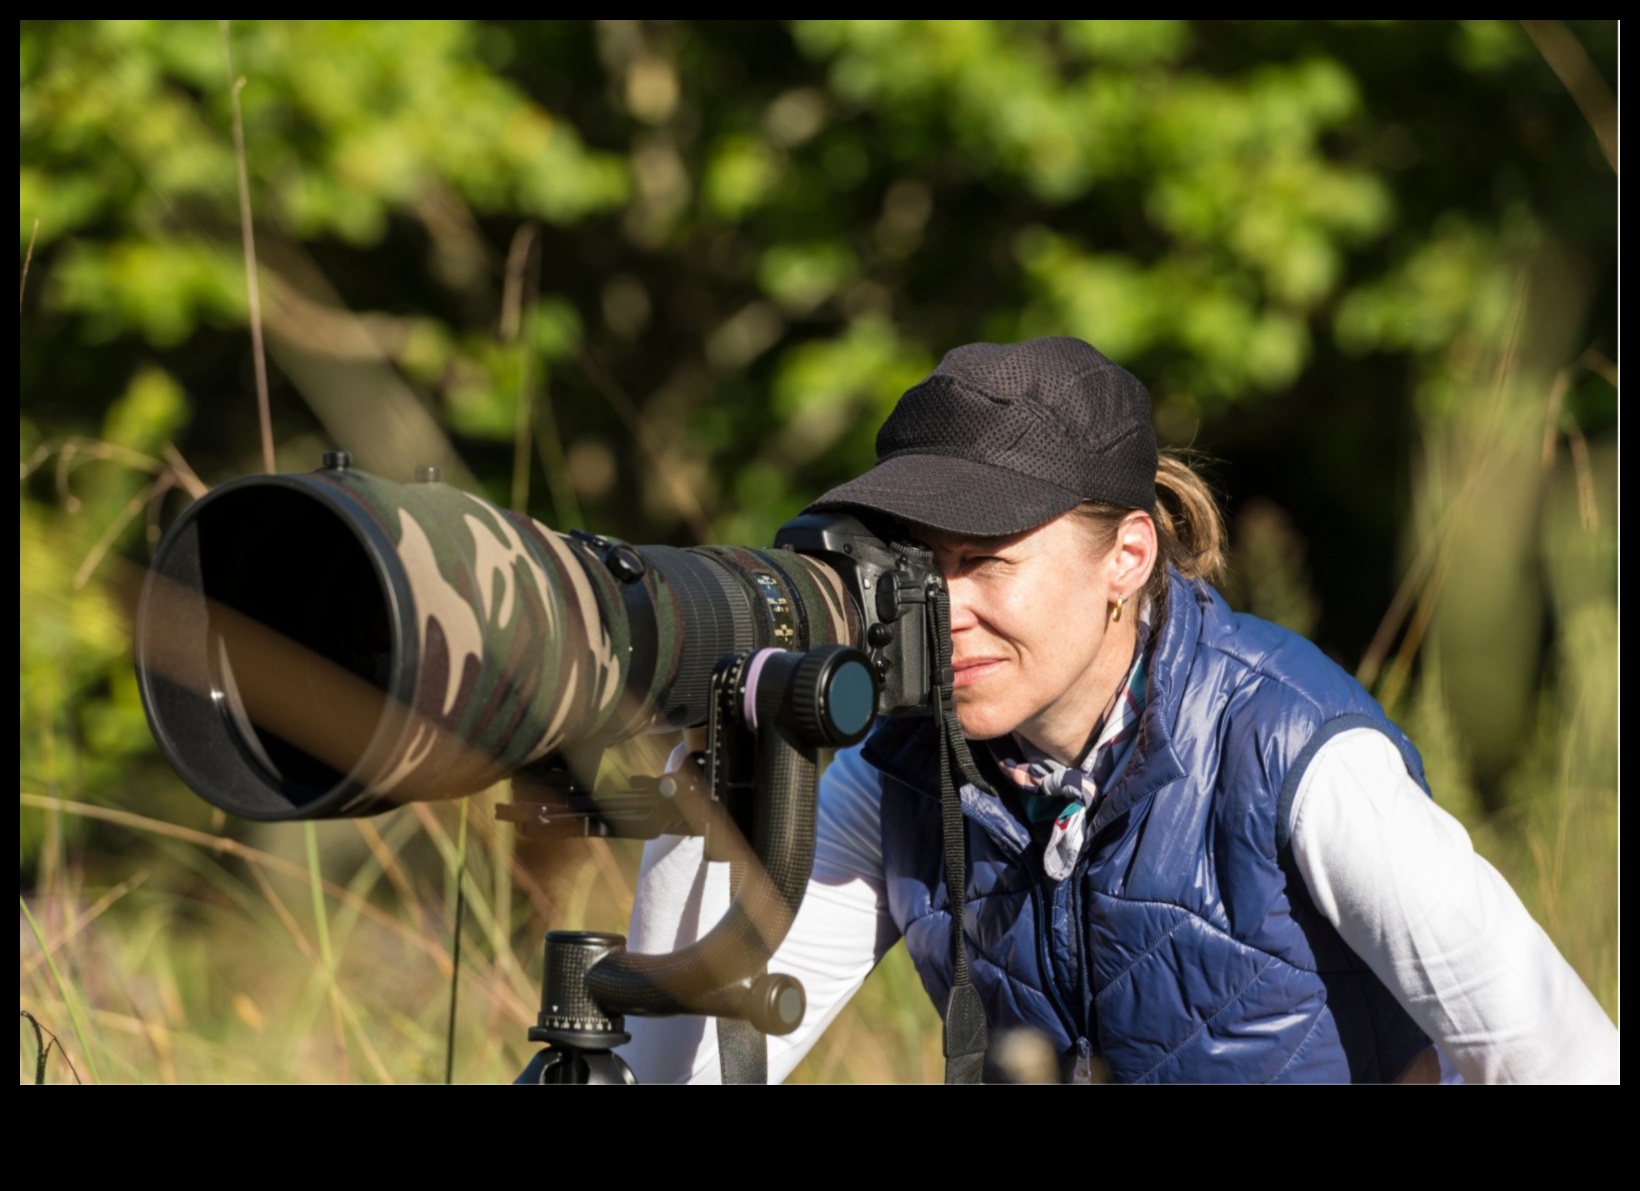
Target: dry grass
[(305, 961)]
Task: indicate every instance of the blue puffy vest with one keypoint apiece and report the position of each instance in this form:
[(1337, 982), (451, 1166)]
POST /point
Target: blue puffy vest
[(1185, 945)]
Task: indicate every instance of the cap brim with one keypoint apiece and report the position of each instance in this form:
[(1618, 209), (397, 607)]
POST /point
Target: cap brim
[(954, 495)]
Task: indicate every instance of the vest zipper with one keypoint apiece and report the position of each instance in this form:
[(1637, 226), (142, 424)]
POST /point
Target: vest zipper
[(1043, 909), (1078, 934), (1044, 956)]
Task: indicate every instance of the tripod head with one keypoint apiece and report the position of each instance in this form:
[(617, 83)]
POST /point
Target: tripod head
[(781, 708)]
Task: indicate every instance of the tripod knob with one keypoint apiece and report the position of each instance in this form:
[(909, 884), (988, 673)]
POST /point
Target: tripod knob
[(776, 1004), (569, 1016)]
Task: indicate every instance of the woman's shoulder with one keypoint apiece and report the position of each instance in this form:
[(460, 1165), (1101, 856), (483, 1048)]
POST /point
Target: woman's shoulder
[(1261, 660), (1268, 694)]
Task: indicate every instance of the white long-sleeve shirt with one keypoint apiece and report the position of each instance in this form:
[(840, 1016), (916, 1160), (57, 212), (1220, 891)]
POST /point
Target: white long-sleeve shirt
[(1392, 871)]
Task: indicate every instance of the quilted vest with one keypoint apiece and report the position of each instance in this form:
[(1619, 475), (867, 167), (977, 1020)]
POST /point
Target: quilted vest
[(1184, 946)]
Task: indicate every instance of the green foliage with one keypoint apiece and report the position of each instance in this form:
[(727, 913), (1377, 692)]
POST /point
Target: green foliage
[(740, 176), (354, 124), (69, 639), (801, 276), (160, 291), (80, 722), (151, 413), (1457, 283)]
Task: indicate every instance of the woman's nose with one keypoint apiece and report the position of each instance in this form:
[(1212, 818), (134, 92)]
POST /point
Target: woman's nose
[(961, 590)]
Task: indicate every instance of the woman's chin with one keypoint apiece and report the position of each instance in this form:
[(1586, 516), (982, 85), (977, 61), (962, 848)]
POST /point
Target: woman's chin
[(983, 723)]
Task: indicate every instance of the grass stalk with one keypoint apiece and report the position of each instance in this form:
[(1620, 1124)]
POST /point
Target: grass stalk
[(521, 434), (450, 852), (28, 259), (516, 308), (501, 893), (1576, 72), (566, 509), (78, 922), (1399, 672), (253, 286), (66, 991), (386, 858), (508, 976), (116, 527), (455, 944), (43, 1049), (520, 297), (51, 846), (1420, 588), (341, 1005), (321, 919), (78, 446), (321, 929), (685, 501)]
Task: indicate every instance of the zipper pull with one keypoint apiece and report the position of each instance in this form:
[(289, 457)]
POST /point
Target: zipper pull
[(1090, 1067), (1081, 1071)]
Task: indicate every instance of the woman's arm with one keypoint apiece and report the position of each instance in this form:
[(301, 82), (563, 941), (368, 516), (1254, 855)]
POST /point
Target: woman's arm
[(841, 930), (1398, 877)]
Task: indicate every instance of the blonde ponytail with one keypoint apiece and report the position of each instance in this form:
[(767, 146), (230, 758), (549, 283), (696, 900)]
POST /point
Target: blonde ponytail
[(1188, 522)]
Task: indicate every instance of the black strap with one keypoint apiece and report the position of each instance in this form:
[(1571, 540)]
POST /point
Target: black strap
[(964, 1012), (743, 1053)]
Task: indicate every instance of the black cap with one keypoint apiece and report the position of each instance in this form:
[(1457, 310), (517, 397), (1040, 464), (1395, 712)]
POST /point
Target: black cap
[(1003, 437)]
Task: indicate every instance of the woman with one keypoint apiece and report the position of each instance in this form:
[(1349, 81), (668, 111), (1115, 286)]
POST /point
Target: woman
[(1200, 851)]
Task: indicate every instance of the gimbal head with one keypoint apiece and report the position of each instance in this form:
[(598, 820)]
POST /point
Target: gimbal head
[(782, 707)]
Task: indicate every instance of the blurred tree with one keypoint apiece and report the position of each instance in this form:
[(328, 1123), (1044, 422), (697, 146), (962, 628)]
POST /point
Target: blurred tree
[(759, 232)]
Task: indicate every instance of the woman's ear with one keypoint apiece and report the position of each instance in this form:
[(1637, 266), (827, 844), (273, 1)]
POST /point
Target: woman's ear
[(1134, 556)]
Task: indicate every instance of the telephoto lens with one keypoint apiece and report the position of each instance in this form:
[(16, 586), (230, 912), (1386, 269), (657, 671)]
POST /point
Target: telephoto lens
[(333, 643)]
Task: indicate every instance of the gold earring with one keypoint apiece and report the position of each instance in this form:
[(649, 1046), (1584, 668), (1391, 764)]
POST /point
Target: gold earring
[(1117, 614)]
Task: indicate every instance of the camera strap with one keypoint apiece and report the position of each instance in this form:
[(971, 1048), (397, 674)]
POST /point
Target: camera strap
[(965, 1039), (743, 1051)]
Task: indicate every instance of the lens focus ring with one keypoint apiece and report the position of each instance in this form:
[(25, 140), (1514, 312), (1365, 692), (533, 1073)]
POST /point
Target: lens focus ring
[(833, 696)]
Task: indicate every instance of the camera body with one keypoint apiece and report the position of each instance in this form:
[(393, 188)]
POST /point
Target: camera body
[(888, 578)]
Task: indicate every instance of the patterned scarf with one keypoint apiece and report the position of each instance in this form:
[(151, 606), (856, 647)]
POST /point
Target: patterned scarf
[(1051, 791)]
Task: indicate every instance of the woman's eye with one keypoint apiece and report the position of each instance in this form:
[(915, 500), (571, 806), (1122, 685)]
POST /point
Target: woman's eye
[(964, 564)]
